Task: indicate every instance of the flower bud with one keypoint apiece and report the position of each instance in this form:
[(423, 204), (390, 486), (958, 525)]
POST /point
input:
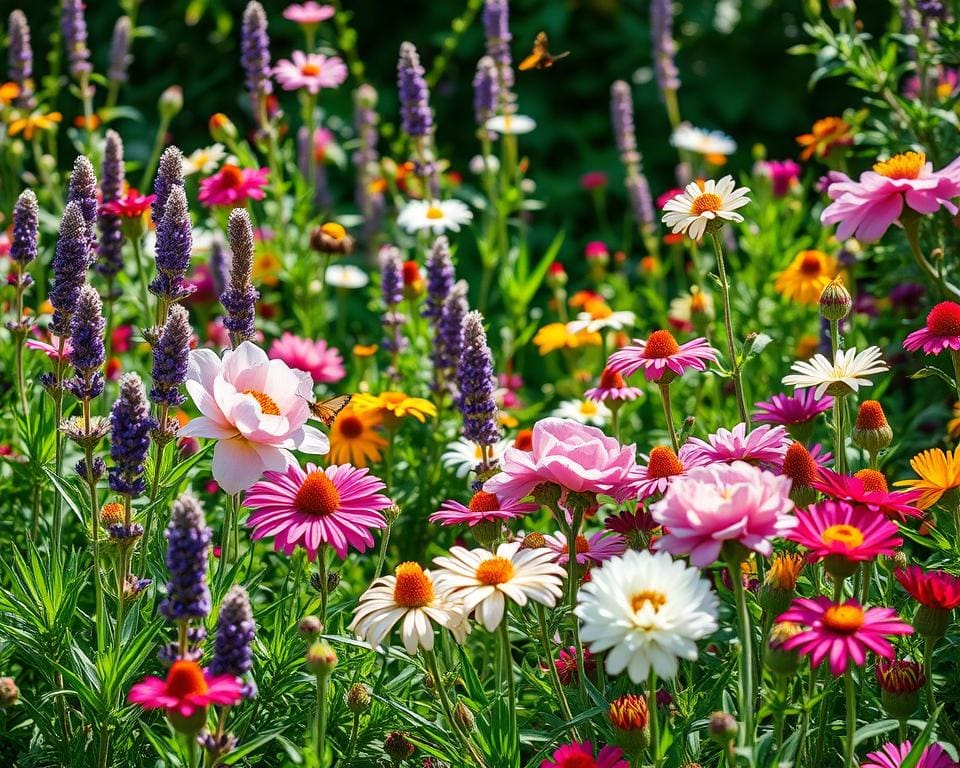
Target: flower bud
[(391, 513), (321, 658), (333, 581), (357, 698), (629, 717), (900, 684), (835, 300), (398, 746), (331, 238), (723, 727), (309, 627), (871, 432), (534, 540), (931, 622), (778, 659), (171, 102), (556, 275), (779, 583), (463, 717), (222, 128), (9, 692)]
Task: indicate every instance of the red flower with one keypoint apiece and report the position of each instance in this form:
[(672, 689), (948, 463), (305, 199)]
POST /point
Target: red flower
[(934, 589), (131, 206)]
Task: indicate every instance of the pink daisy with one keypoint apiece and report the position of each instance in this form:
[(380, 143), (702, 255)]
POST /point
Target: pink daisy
[(660, 356), (662, 467), (932, 589), (941, 332), (601, 546), (612, 387), (483, 507), (842, 531), (788, 410), (187, 690), (312, 71), (323, 363), (580, 755), (51, 348), (841, 632), (719, 503), (763, 445), (131, 206), (339, 506), (868, 488), (308, 12), (893, 756), (233, 186)]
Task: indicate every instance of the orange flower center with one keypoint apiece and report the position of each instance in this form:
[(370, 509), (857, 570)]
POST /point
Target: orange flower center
[(496, 570), (334, 230), (611, 380), (414, 588), (184, 678), (906, 165), (231, 175), (811, 264), (799, 465), (310, 69), (350, 426), (484, 502), (660, 344), (706, 202), (845, 619), (663, 463), (581, 544), (944, 319), (598, 309), (698, 302), (648, 597), (873, 481), (842, 533), (534, 541), (871, 415), (317, 496), (111, 513), (433, 212), (267, 403), (524, 440)]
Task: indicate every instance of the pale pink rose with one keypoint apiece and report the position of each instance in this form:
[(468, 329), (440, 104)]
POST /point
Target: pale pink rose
[(256, 409), (723, 502)]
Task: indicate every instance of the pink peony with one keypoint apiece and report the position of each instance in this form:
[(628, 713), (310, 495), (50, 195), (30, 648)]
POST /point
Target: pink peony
[(719, 503), (323, 363), (764, 445), (233, 186)]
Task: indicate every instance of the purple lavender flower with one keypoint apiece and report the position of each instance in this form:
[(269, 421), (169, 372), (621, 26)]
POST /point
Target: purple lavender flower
[(171, 357), (255, 51), (110, 261), (486, 90), (477, 384), (440, 277), (188, 543), (664, 46), (82, 190), (20, 58), (641, 202), (391, 291), (621, 115), (496, 26), (130, 425), (236, 630), (174, 242), (69, 265), (120, 57), (240, 297), (26, 229), (219, 266), (449, 341), (169, 175), (73, 25), (87, 355), (414, 95), (932, 9)]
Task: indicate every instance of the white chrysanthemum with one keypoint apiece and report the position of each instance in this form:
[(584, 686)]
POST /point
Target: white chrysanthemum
[(693, 209), (204, 160), (512, 124), (592, 323), (346, 276), (646, 610), (439, 216), (415, 598), (692, 139), (584, 411), (485, 580), (847, 373), (463, 455)]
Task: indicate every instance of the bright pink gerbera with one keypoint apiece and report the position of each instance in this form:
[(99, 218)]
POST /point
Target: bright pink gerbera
[(131, 206), (723, 502), (483, 507), (941, 332), (601, 546), (580, 755), (233, 186), (893, 755), (763, 445), (323, 363), (312, 71), (841, 632), (572, 455), (308, 12), (186, 691), (788, 410), (868, 488), (660, 355), (51, 348), (340, 506), (662, 467), (933, 589), (865, 209), (843, 530), (612, 387)]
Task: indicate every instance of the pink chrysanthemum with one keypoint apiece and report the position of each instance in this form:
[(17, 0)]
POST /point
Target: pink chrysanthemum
[(308, 13), (763, 445), (580, 755), (933, 589), (868, 488), (323, 363), (612, 387), (844, 633), (662, 467), (837, 529), (893, 756), (601, 546), (340, 506), (312, 71), (233, 186), (723, 502), (187, 690), (483, 507), (788, 410), (660, 355), (941, 332)]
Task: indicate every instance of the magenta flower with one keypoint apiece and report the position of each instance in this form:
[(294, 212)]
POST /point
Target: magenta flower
[(187, 690), (601, 546), (612, 387), (233, 186), (483, 507), (51, 348), (340, 506), (941, 332), (932, 589), (312, 71), (763, 445), (580, 755), (660, 356), (839, 530), (868, 488), (844, 633), (865, 209), (893, 755), (788, 410), (574, 456), (662, 467), (308, 13), (783, 174), (719, 503), (323, 363)]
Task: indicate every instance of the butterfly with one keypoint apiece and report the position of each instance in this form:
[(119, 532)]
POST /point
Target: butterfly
[(541, 58), (327, 410)]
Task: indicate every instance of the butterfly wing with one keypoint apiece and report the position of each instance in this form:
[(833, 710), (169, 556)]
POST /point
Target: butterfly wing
[(328, 410), (540, 57)]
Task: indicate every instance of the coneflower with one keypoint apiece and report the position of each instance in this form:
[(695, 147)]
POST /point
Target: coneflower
[(240, 297), (110, 250), (477, 383)]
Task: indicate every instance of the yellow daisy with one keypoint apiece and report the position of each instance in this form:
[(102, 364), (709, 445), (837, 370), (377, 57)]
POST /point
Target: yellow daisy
[(939, 472), (806, 277), (557, 336), (32, 124), (393, 406)]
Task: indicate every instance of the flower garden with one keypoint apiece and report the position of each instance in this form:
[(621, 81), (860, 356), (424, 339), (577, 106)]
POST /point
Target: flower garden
[(324, 445)]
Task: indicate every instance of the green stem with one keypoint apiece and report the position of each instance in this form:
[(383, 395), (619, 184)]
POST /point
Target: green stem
[(322, 570), (654, 719), (746, 684), (323, 681), (911, 228), (728, 328), (507, 670), (928, 646), (431, 658), (850, 686), (384, 543), (554, 675), (150, 168), (572, 580), (668, 415), (138, 256), (839, 439)]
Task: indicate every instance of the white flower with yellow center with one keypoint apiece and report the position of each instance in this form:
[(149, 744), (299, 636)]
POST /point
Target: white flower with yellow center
[(346, 276), (511, 124), (204, 160), (845, 374), (485, 580), (701, 205), (463, 455), (439, 216), (584, 411), (600, 317), (692, 139), (413, 597), (646, 611)]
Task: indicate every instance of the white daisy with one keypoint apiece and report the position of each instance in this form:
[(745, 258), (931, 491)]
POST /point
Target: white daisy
[(346, 276), (693, 139), (511, 124), (844, 375), (204, 160), (593, 322), (484, 580), (463, 455), (646, 610), (416, 598), (584, 411), (479, 164), (437, 215), (696, 207)]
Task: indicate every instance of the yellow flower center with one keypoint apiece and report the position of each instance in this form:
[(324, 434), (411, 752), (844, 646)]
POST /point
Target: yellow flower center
[(267, 403), (588, 408), (334, 230), (845, 619), (434, 213), (706, 202), (318, 496), (848, 535), (496, 570), (414, 588), (906, 165), (581, 544), (648, 597)]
